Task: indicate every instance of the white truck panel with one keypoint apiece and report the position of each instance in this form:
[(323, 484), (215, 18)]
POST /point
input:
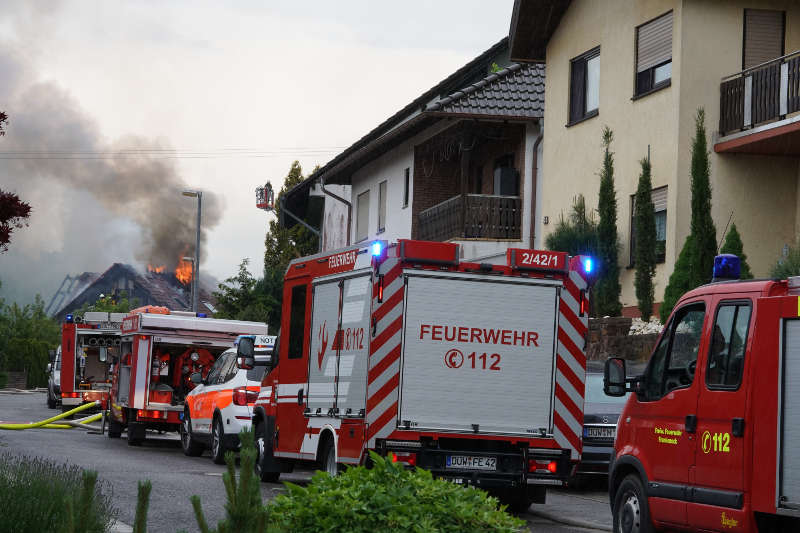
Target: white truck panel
[(446, 381), (322, 356), (789, 424), (213, 325), (354, 345)]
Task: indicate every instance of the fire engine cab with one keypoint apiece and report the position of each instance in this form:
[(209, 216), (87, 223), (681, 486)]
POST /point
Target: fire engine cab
[(88, 343), (162, 356), (706, 442), (474, 371)]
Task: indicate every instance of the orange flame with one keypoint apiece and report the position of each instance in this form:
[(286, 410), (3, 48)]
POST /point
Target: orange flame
[(184, 272), (157, 270)]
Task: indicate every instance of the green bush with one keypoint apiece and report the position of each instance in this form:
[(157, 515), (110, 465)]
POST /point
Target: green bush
[(3, 380), (40, 495), (787, 266), (386, 498)]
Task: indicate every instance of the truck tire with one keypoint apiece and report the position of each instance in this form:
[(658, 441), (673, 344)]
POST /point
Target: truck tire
[(136, 434), (327, 457), (114, 428), (265, 461), (190, 445), (631, 511), (218, 448), (51, 400)]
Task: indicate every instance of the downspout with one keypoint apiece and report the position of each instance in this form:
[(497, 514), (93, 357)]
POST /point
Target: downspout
[(345, 202), (535, 171)]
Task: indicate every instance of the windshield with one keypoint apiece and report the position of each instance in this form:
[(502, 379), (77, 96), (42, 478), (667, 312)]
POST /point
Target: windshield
[(595, 394)]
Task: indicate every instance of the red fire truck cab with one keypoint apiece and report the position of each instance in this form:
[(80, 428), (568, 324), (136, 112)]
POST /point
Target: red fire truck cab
[(706, 442), (163, 354), (474, 371), (88, 344)]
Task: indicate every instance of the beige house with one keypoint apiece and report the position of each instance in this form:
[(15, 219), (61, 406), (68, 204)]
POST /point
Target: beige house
[(644, 67)]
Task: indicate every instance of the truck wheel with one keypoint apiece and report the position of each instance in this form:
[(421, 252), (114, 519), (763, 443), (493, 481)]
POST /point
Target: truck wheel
[(135, 432), (264, 458), (217, 442), (328, 458), (631, 512), (51, 400), (114, 429), (190, 446)]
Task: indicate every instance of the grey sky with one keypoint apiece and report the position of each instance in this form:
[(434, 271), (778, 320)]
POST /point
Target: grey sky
[(288, 80)]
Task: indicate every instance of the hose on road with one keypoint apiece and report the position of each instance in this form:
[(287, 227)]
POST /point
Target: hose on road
[(48, 422)]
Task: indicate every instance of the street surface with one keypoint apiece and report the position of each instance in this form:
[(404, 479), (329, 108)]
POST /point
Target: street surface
[(175, 477)]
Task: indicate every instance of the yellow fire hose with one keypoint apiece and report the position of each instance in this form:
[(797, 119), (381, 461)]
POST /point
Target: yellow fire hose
[(47, 423), (81, 423)]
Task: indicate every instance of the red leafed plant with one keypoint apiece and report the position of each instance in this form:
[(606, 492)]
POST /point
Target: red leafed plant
[(13, 214)]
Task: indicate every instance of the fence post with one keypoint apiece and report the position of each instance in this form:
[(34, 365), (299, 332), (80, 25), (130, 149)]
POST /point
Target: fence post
[(748, 101)]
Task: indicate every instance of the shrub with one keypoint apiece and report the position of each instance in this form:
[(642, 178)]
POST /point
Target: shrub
[(679, 281), (787, 266), (576, 234), (3, 380), (733, 245), (607, 289), (387, 498), (40, 495), (645, 251)]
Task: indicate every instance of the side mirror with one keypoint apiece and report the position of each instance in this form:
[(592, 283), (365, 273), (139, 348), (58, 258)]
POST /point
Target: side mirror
[(614, 378), (103, 355), (196, 378), (246, 347), (49, 367), (246, 363)]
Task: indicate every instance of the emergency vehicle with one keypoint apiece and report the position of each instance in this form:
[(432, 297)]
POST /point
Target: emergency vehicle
[(88, 343), (708, 439), (220, 406), (474, 371), (160, 350)]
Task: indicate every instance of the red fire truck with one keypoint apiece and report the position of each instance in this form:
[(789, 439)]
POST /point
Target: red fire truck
[(707, 440), (88, 343), (163, 354), (474, 371)]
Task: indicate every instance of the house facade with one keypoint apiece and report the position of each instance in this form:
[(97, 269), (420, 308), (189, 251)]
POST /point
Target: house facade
[(643, 68), (460, 163)]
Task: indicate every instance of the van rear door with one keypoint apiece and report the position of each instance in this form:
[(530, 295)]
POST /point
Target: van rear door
[(478, 353)]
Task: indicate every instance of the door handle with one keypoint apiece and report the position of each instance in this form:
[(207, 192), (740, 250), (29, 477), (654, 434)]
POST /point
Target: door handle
[(300, 397), (691, 423), (737, 427)]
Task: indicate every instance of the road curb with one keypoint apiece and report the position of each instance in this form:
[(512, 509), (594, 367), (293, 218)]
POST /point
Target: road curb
[(575, 522), (21, 391)]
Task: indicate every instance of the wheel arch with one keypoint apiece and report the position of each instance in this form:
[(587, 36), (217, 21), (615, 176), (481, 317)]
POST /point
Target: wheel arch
[(622, 467), (327, 433)]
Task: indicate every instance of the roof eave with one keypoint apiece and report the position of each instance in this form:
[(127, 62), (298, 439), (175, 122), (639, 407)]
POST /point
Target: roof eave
[(533, 22)]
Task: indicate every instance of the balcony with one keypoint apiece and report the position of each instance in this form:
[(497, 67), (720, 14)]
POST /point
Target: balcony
[(473, 216), (758, 109)]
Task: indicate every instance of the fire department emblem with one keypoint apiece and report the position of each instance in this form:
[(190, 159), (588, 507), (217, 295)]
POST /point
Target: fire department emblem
[(322, 335)]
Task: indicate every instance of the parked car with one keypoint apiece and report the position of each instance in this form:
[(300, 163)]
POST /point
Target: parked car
[(220, 406), (54, 381), (600, 414)]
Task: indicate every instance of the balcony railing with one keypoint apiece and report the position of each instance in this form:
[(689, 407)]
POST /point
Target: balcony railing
[(472, 216), (764, 93)]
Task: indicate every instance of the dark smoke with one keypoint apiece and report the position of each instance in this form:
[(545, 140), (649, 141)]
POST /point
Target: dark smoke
[(133, 209)]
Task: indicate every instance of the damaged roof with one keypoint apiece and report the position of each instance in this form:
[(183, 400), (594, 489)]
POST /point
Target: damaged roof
[(516, 91)]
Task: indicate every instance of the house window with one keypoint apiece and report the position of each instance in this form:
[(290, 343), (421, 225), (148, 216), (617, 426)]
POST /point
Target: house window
[(362, 216), (764, 32), (654, 54), (584, 87), (659, 198), (406, 184), (382, 206)]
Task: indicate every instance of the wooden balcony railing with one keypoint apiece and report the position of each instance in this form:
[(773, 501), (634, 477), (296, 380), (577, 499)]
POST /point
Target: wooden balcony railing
[(472, 216), (764, 93)]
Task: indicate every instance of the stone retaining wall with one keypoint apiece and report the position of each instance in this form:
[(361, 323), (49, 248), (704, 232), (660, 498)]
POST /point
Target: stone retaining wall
[(608, 337)]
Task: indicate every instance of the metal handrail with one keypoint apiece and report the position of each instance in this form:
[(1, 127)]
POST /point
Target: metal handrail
[(760, 65)]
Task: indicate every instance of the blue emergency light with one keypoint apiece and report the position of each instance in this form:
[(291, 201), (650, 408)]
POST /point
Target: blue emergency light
[(68, 318), (377, 248), (588, 265), (726, 266), (202, 315)]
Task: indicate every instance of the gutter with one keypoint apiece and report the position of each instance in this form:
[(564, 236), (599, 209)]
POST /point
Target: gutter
[(345, 202)]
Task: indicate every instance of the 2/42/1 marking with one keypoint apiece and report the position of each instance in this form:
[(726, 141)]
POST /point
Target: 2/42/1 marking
[(540, 259), (493, 360)]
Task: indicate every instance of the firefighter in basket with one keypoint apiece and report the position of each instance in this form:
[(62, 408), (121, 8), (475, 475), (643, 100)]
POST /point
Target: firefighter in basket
[(191, 361)]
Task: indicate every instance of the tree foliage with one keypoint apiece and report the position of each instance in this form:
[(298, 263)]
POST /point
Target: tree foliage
[(245, 297), (109, 304), (607, 289), (14, 214), (788, 265), (733, 245), (644, 216), (679, 282), (576, 234), (700, 247), (27, 335)]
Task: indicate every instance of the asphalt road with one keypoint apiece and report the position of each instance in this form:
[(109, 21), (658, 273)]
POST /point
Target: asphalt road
[(175, 477)]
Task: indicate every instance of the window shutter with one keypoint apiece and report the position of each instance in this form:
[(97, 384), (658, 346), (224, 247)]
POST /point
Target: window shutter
[(577, 89), (763, 36), (659, 197), (654, 45)]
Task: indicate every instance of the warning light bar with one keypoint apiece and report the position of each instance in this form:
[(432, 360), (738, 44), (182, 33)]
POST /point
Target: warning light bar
[(726, 267), (588, 265)]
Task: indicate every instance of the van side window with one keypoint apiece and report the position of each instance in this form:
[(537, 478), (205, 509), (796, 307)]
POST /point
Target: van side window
[(297, 322), (672, 365), (726, 359)]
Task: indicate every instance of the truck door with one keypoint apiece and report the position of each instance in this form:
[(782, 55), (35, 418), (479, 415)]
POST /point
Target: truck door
[(719, 455), (292, 369), (667, 396)]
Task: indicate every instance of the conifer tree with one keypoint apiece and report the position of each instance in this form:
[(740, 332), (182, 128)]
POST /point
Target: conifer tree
[(607, 290), (733, 245), (702, 226), (645, 252), (678, 281)]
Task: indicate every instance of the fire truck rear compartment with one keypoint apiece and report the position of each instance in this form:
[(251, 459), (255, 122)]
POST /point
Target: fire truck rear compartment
[(478, 354), (789, 427)]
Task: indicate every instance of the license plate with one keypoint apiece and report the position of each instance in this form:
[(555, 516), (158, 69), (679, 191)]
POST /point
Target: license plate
[(469, 462), (600, 433)]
